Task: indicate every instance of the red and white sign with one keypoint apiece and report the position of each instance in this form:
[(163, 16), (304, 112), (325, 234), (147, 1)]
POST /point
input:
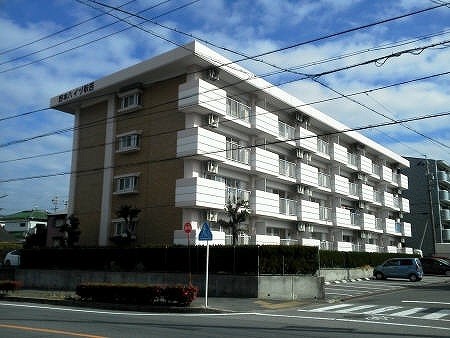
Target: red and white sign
[(187, 227)]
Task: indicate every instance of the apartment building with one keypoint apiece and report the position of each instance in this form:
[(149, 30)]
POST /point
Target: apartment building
[(430, 211), (179, 135)]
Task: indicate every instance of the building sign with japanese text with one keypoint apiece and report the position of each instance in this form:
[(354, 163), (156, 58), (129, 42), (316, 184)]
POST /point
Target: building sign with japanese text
[(77, 92)]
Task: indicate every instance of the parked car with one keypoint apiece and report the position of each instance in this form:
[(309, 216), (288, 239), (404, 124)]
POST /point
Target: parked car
[(410, 268), (435, 266), (12, 258)]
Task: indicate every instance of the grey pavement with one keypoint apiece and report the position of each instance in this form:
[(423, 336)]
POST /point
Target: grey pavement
[(215, 304)]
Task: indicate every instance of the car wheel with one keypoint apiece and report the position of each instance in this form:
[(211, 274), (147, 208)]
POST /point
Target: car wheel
[(379, 275), (413, 278)]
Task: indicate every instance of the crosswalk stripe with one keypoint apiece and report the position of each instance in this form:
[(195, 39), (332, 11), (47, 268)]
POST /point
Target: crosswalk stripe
[(437, 315), (332, 307), (408, 312), (356, 308), (381, 310)]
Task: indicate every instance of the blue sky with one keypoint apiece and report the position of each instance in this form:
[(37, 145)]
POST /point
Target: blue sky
[(42, 56)]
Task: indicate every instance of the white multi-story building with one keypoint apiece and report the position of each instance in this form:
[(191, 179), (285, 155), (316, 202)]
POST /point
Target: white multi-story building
[(180, 134)]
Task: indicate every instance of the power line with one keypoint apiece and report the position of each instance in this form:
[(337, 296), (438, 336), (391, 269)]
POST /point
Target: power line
[(378, 125)]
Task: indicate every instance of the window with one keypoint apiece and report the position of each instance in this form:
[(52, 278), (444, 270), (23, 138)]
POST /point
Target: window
[(130, 100), (126, 184), (128, 142)]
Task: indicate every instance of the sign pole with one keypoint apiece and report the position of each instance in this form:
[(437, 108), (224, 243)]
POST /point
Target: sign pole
[(206, 279)]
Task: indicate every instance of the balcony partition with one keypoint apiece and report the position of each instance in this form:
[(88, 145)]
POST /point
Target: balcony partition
[(287, 169)]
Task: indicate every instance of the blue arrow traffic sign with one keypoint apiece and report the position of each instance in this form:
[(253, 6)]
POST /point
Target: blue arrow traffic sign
[(205, 233)]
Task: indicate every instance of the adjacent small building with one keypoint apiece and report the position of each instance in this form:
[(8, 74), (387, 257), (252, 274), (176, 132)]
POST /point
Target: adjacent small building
[(21, 223), (430, 209), (179, 135)]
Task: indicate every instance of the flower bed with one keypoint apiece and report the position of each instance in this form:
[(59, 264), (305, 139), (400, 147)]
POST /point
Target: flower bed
[(9, 285), (180, 295)]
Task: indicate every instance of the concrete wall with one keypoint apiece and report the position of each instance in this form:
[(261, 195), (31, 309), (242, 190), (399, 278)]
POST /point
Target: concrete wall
[(266, 287), (339, 274)]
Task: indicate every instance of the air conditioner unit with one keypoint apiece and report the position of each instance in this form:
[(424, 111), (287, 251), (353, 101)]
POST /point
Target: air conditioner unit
[(301, 227), (212, 167), (299, 117), (300, 189), (361, 204), (308, 157), (309, 228), (213, 120), (299, 153), (213, 74), (360, 176), (362, 234), (402, 240), (308, 192), (211, 216)]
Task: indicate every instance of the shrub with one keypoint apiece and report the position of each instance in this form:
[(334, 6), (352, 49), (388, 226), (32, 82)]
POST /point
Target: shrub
[(9, 285), (136, 293)]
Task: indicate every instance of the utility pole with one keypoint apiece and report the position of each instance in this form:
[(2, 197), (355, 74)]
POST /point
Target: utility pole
[(433, 225)]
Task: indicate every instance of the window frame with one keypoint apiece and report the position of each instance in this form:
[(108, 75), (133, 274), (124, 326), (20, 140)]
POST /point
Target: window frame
[(134, 95), (121, 186), (134, 138)]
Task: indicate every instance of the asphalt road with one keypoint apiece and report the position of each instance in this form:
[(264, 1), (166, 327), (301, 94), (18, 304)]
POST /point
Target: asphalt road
[(413, 310)]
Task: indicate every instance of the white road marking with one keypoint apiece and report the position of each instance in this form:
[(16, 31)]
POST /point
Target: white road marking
[(331, 307), (381, 310), (437, 315), (407, 312), (356, 308), (424, 302)]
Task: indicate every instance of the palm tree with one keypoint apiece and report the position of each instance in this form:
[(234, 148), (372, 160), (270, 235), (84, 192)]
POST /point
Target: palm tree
[(128, 213), (237, 212)]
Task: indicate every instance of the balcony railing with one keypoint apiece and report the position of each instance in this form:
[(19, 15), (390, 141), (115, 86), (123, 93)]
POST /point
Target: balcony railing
[(378, 196), (396, 201), (324, 180), (352, 159), (238, 154), (288, 207), (286, 131), (288, 241), (323, 146), (379, 224), (238, 110), (353, 189), (377, 169), (355, 219), (325, 213), (287, 168), (234, 194)]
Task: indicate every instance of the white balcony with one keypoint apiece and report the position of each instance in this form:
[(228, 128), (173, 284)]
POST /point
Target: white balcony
[(264, 203), (367, 222), (264, 240), (403, 181), (389, 226), (309, 242), (366, 192), (406, 229), (197, 192), (307, 174), (199, 96), (345, 219), (307, 140), (388, 200), (391, 249), (341, 185), (264, 162), (370, 247), (344, 246), (365, 164), (386, 174), (308, 211), (265, 122), (339, 154), (406, 250), (404, 204), (201, 143)]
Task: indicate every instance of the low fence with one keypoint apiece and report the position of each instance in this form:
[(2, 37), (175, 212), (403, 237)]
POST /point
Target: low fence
[(288, 287)]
